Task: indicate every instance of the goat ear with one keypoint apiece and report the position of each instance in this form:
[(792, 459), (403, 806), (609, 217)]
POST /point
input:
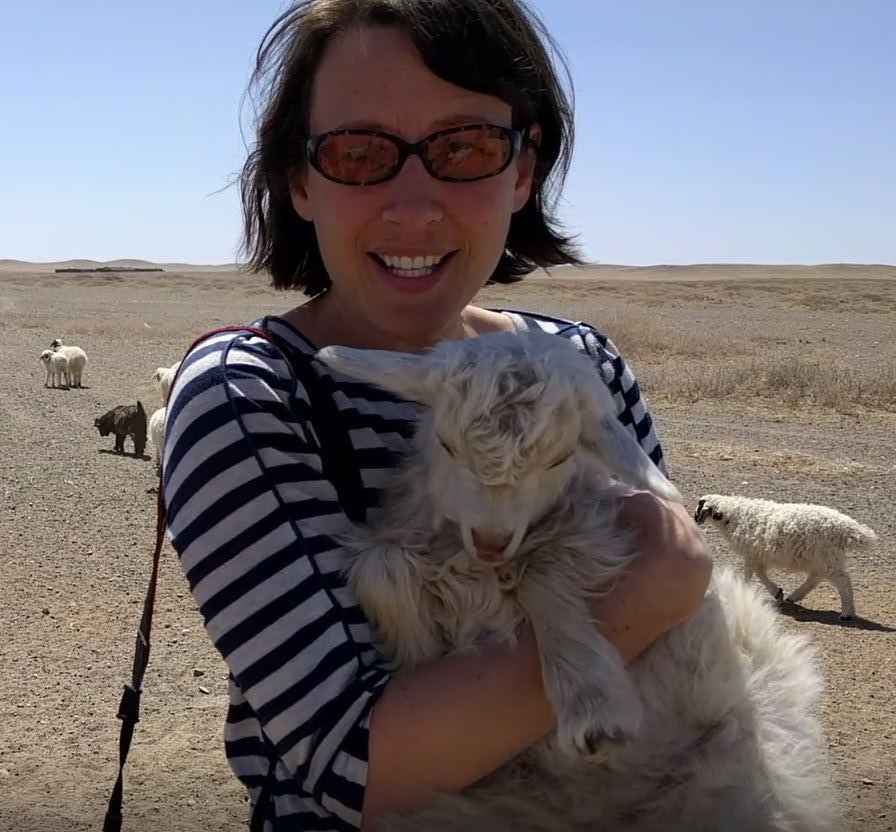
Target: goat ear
[(604, 436), (408, 375)]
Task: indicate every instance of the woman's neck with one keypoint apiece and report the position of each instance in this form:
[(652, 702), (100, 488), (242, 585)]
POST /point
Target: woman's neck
[(326, 322)]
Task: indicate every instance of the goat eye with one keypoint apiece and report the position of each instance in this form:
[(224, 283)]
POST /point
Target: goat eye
[(446, 446)]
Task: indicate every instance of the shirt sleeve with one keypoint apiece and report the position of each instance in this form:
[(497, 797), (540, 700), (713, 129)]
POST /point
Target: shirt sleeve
[(251, 518), (631, 407)]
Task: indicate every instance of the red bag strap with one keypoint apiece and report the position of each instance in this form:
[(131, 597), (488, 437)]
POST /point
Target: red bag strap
[(129, 708)]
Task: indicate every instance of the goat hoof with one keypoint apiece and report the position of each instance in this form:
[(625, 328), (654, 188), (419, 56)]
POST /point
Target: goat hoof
[(846, 616), (779, 595)]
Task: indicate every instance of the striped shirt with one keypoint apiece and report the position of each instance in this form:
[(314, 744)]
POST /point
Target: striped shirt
[(251, 516)]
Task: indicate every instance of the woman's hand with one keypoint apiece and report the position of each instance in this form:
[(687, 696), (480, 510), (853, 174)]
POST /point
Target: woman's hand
[(666, 581)]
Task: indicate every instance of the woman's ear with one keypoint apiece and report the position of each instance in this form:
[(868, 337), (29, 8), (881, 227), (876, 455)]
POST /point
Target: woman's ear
[(525, 167), (298, 194)]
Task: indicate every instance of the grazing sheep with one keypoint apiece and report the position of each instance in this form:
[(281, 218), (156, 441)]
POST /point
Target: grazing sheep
[(157, 434), (57, 368), (124, 420), (77, 361), (795, 537), (164, 376), (505, 511)]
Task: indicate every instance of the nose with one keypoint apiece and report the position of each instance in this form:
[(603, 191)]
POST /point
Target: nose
[(491, 544), (411, 201)]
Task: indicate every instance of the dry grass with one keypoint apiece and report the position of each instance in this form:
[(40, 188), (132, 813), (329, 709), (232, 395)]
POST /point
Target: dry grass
[(784, 380), (818, 343), (85, 332)]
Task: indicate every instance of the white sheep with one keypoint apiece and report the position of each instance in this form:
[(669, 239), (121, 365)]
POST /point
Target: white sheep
[(77, 361), (504, 511), (157, 434), (57, 368), (795, 537), (164, 377)]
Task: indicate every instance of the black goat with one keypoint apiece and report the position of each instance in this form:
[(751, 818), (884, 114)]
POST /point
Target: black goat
[(124, 420)]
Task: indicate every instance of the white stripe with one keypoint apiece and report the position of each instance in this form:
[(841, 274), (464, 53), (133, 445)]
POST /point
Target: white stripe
[(342, 811), (245, 729), (403, 411), (289, 804), (327, 746), (272, 458), (227, 528), (249, 765), (638, 411), (269, 423), (377, 477), (271, 637), (298, 570), (297, 492), (213, 490)]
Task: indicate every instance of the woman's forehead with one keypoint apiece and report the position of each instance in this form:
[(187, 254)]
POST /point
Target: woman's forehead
[(374, 77)]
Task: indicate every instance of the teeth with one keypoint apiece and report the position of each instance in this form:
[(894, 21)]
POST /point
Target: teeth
[(408, 263)]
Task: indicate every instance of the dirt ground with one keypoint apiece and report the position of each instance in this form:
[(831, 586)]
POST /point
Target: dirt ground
[(77, 521)]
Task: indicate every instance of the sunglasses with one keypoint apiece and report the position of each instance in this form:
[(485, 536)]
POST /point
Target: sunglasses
[(458, 154)]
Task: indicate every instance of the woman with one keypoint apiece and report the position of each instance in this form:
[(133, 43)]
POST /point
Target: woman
[(402, 162)]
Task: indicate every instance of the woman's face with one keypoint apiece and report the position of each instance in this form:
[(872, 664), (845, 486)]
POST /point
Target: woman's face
[(374, 78)]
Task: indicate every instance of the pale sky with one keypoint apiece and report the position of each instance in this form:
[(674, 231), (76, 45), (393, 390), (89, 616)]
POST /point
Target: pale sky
[(758, 131)]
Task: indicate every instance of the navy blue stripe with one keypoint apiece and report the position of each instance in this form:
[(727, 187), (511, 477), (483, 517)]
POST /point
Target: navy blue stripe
[(247, 747), (261, 572), (268, 615), (310, 822), (239, 711), (228, 503), (643, 428), (228, 548), (329, 780), (196, 430), (367, 392), (333, 661), (356, 420)]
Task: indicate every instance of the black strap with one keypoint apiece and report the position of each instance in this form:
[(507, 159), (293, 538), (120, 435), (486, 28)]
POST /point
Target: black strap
[(336, 449), (338, 467), (129, 709)]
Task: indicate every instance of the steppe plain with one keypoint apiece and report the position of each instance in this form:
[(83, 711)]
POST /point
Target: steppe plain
[(769, 381)]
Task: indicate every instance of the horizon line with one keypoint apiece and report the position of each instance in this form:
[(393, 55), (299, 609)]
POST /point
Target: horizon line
[(122, 261)]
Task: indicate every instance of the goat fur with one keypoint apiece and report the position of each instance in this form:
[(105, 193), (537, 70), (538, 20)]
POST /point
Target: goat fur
[(57, 369), (77, 361), (713, 727), (795, 537), (164, 377), (157, 434)]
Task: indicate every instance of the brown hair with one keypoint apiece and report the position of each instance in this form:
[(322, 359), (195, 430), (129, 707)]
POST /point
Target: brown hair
[(496, 47)]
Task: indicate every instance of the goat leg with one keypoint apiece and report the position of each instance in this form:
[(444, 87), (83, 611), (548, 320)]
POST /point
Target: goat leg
[(585, 679)]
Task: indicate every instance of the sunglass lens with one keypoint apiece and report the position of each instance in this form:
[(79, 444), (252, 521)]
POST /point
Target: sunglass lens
[(469, 153), (356, 158)]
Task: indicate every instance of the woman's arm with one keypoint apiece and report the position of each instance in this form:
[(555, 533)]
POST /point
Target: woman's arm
[(251, 517), (451, 722)]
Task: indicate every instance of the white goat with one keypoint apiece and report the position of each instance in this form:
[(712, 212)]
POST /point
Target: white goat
[(504, 511), (157, 434), (795, 537), (164, 376), (57, 368), (77, 361)]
